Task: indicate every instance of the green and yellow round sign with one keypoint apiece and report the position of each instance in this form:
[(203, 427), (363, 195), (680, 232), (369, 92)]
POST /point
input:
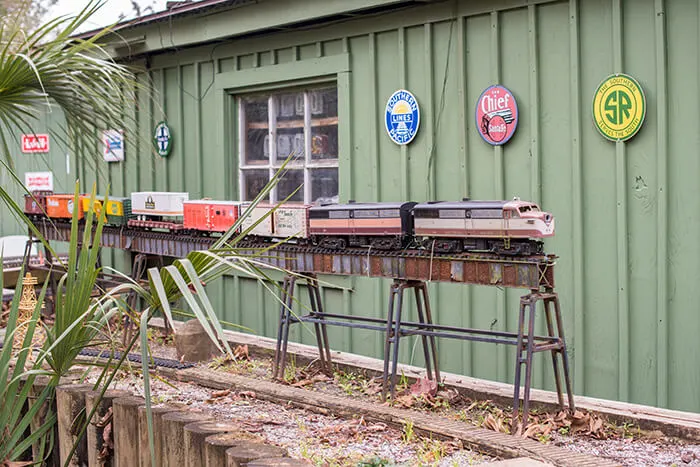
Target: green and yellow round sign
[(619, 107)]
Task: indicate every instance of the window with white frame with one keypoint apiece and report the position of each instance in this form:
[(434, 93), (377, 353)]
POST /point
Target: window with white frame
[(300, 122)]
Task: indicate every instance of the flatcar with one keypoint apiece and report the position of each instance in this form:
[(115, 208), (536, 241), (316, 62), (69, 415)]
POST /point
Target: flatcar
[(378, 225), (502, 226), (210, 216)]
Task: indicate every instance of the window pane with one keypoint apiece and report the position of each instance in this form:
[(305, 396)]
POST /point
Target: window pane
[(290, 125), (289, 182), (324, 186), (324, 123), (254, 181), (257, 149)]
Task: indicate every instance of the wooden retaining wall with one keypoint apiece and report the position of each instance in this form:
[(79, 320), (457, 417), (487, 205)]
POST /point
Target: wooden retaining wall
[(118, 435)]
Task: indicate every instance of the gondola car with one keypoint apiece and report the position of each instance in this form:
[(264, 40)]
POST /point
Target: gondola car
[(210, 216), (383, 226), (506, 227), (157, 210)]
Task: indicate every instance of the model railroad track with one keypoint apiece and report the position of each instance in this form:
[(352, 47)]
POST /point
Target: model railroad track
[(205, 242), (132, 357)]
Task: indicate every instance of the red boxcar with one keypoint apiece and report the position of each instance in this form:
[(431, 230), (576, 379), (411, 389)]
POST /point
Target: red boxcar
[(61, 207), (36, 205), (210, 216)]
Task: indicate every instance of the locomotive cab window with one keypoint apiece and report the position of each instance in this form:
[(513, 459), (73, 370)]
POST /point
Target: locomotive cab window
[(302, 123)]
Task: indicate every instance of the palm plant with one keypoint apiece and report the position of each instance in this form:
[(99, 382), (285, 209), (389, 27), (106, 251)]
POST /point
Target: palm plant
[(46, 70), (51, 70), (15, 392)]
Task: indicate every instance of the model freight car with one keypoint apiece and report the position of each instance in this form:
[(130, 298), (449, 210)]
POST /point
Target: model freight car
[(61, 206), (35, 204), (210, 216), (289, 220), (157, 210), (117, 210)]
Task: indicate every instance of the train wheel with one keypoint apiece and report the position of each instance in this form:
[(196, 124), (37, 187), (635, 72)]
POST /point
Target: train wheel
[(444, 245), (333, 243), (385, 243)]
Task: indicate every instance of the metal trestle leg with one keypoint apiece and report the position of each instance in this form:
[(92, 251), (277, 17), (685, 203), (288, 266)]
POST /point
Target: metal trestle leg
[(287, 318), (393, 333), (526, 348)]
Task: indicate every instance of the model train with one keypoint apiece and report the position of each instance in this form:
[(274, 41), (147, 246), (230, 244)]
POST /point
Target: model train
[(505, 227)]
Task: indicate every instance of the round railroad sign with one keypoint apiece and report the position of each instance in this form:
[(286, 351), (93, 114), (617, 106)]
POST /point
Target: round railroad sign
[(162, 139), (402, 117), (496, 115), (619, 107)]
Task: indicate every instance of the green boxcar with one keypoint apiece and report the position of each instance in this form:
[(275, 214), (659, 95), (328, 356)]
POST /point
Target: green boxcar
[(118, 211)]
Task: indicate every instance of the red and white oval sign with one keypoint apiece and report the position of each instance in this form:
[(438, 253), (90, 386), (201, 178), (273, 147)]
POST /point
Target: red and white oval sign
[(496, 115)]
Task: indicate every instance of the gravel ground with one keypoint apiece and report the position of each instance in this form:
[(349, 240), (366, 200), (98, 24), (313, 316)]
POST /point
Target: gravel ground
[(325, 440), (627, 445), (632, 452)]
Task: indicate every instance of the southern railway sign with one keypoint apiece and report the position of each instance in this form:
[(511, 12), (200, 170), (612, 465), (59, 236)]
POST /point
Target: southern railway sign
[(619, 107)]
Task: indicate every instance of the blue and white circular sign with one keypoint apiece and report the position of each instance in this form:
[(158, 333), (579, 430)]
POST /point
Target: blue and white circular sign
[(402, 117)]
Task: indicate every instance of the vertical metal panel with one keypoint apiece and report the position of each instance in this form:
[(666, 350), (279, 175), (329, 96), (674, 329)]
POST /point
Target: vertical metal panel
[(683, 194), (498, 188), (405, 179), (599, 182), (662, 211), (429, 114), (374, 121), (577, 291), (464, 117)]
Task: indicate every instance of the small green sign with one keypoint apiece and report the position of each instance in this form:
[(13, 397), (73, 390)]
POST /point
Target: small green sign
[(163, 139)]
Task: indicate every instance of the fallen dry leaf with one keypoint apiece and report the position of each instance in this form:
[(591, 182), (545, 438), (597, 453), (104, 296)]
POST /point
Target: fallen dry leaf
[(377, 427), (404, 401), (424, 386), (241, 352), (495, 424), (218, 394), (303, 382)]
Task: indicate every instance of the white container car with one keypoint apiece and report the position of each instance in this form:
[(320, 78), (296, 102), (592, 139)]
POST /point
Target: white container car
[(149, 204)]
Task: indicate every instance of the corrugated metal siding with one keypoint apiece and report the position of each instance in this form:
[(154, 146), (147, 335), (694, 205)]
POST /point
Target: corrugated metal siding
[(627, 214)]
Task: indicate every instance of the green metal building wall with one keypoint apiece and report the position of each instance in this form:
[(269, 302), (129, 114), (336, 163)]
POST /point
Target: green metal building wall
[(628, 214)]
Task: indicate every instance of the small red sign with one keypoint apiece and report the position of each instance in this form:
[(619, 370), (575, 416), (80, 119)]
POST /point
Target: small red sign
[(35, 143), (496, 115)]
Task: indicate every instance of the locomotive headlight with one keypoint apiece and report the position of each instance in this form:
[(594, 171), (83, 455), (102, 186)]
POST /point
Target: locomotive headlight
[(548, 218)]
